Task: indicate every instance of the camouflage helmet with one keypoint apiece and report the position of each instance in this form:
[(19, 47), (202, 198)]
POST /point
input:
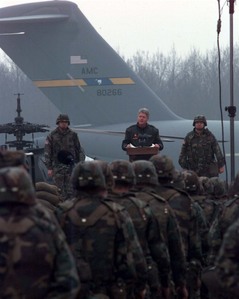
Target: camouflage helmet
[(106, 172), (62, 117), (12, 158), (178, 180), (206, 184), (123, 171), (219, 186), (164, 166), (200, 118), (191, 180), (145, 172), (16, 186), (87, 174)]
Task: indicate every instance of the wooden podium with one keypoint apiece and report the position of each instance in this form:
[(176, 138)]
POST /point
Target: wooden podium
[(141, 153)]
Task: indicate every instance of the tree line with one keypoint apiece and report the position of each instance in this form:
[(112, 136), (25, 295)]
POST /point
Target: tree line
[(196, 84), (188, 85)]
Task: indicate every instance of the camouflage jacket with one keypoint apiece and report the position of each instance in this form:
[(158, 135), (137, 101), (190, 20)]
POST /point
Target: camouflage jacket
[(148, 231), (188, 222), (211, 207), (227, 262), (199, 152), (203, 230), (170, 229), (229, 213), (30, 241), (103, 236), (59, 140)]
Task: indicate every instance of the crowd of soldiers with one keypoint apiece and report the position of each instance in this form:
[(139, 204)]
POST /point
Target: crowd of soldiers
[(131, 230)]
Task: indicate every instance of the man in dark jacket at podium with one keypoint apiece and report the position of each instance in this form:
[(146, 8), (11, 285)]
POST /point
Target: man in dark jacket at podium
[(142, 135)]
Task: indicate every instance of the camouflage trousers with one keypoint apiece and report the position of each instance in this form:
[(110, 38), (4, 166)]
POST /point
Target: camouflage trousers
[(61, 178)]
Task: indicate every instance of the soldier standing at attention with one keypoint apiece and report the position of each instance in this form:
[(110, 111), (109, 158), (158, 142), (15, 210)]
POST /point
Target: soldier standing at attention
[(142, 134), (100, 237), (146, 182), (186, 212), (227, 262), (147, 228), (200, 151), (62, 151), (35, 260)]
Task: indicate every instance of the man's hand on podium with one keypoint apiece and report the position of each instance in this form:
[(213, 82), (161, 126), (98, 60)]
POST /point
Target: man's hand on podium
[(130, 145), (155, 145)]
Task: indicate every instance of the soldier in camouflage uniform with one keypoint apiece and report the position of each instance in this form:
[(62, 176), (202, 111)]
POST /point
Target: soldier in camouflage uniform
[(35, 260), (62, 151), (212, 194), (218, 196), (192, 186), (187, 216), (228, 213), (146, 181), (105, 167), (205, 185), (13, 158), (146, 226), (47, 194), (101, 236), (227, 262), (200, 151)]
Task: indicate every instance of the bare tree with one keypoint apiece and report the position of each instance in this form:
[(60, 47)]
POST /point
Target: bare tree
[(189, 86)]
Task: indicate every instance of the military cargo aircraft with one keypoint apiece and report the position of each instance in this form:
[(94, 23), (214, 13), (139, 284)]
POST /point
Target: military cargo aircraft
[(59, 50)]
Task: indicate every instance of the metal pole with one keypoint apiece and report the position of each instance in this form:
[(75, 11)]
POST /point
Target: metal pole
[(232, 109)]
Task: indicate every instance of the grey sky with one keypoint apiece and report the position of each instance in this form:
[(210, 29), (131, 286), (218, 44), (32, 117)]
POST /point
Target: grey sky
[(131, 25)]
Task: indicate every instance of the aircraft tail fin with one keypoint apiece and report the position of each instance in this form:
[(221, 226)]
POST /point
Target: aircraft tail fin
[(58, 49)]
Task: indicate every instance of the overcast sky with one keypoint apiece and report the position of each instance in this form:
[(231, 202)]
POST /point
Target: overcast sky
[(151, 25)]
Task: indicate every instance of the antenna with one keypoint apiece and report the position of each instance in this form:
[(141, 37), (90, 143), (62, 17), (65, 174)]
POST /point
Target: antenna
[(231, 109)]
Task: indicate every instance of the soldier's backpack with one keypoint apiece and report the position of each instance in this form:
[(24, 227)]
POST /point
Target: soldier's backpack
[(106, 205), (24, 246)]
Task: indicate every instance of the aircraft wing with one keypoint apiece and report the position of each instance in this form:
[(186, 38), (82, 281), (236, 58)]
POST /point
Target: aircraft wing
[(31, 20)]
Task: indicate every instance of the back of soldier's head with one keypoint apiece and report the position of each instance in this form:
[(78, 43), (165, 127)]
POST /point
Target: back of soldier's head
[(123, 173), (164, 167), (88, 175), (219, 187), (16, 186), (12, 158), (145, 173), (178, 180), (205, 184), (106, 172), (191, 181)]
